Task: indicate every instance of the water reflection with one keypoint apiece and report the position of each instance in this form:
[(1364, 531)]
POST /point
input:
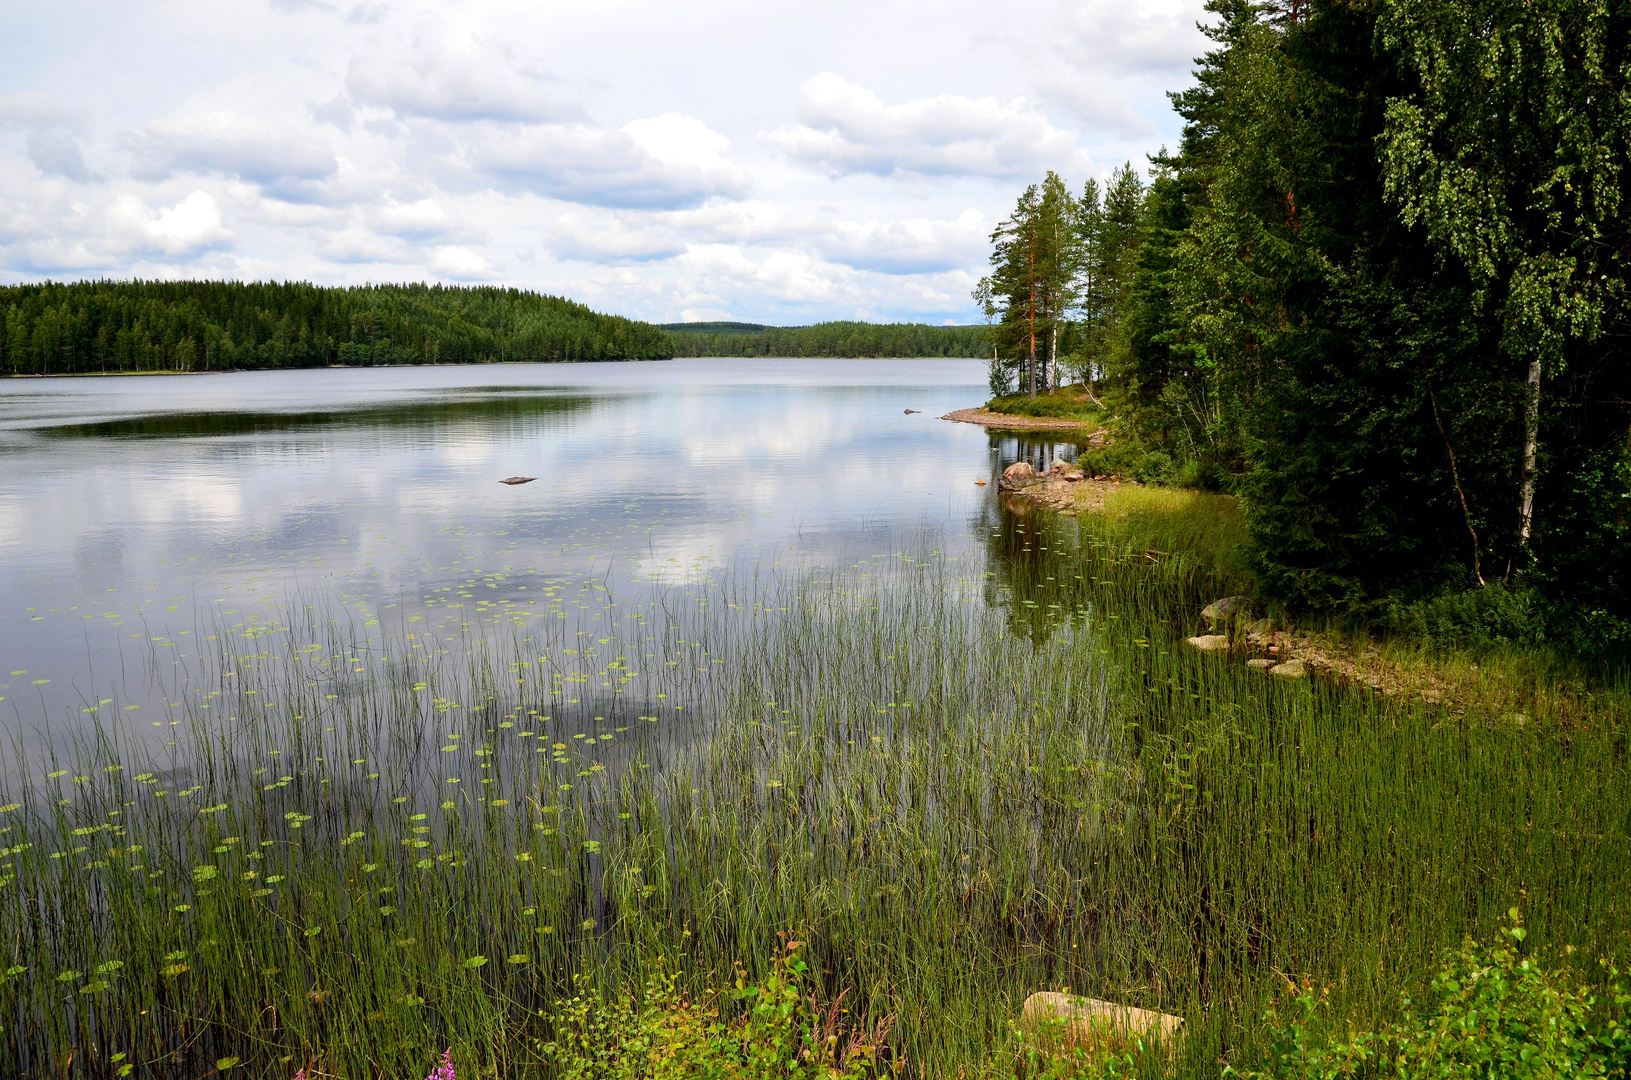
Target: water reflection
[(142, 517)]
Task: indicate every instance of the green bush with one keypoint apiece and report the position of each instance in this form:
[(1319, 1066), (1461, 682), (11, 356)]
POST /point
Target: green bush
[(1066, 404), (1129, 461), (1469, 618), (780, 1033), (1491, 1013)]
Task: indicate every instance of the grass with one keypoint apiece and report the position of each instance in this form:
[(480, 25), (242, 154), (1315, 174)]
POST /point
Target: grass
[(957, 783), (1066, 403)]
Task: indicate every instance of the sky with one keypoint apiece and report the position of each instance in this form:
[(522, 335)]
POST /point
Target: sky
[(773, 163)]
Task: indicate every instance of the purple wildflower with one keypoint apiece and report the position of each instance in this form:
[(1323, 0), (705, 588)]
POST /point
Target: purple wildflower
[(445, 1070)]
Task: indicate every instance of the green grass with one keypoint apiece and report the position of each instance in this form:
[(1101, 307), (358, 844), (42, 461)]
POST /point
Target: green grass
[(1066, 403), (957, 785)]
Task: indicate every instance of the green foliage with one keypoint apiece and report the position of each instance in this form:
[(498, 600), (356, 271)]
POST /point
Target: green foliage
[(1035, 1060), (1469, 618), (1379, 292), (1037, 261), (836, 339), (111, 326), (1491, 1012), (778, 1032), (1065, 404), (1128, 461)]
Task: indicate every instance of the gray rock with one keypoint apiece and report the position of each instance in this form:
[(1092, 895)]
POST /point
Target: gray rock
[(1260, 665), (1291, 669), (1227, 608), (1261, 628), (512, 480), (1019, 470), (1208, 642), (1090, 1022)]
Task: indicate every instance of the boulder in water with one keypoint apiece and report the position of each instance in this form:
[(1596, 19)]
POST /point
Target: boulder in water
[(1226, 609), (1019, 470), (518, 479), (1090, 1022), (1208, 642)]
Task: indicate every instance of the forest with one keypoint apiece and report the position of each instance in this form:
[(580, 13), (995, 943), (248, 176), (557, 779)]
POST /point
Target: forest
[(133, 326), (1378, 292), (826, 339), (114, 326)]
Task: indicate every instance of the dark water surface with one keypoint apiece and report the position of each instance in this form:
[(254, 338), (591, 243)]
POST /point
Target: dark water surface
[(142, 516)]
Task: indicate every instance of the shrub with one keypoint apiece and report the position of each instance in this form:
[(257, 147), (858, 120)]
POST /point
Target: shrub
[(1469, 618), (781, 1033), (1491, 1012)]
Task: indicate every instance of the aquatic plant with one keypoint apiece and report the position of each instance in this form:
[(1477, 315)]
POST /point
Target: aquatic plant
[(377, 860)]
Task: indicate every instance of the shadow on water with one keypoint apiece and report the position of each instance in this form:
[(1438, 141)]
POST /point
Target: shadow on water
[(514, 408)]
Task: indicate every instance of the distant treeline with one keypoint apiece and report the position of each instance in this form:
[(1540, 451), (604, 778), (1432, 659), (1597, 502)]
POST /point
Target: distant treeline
[(114, 326), (60, 329), (826, 339)]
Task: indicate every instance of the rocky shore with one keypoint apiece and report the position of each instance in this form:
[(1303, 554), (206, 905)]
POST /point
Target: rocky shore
[(1096, 435), (1064, 488)]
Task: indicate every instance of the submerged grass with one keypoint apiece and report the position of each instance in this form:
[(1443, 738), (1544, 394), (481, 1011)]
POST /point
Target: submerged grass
[(958, 784)]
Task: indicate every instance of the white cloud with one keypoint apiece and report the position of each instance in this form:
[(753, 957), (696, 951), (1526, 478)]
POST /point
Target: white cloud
[(913, 246), (189, 227), (421, 218), (222, 142), (664, 162), (1091, 56), (53, 142), (609, 239), (461, 263), (845, 128), (446, 76), (644, 158), (358, 245)]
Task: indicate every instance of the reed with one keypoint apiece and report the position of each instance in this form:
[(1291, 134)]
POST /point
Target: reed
[(957, 785)]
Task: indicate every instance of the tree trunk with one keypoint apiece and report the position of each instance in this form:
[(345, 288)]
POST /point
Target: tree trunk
[(1053, 358), (1531, 437), (1031, 316)]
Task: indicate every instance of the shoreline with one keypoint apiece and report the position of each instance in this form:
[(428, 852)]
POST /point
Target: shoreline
[(1007, 422), (325, 367)]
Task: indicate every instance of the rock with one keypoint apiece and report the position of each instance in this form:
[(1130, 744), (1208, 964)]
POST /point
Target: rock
[(1260, 664), (1227, 608), (1517, 719), (1208, 642), (1059, 468), (1019, 470), (1261, 628), (1090, 1022), (979, 483), (1291, 669), (1433, 696), (518, 479), (909, 412)]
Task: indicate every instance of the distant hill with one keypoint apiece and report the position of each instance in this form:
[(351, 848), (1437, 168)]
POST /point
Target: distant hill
[(715, 327), (59, 329), (826, 339), (84, 327)]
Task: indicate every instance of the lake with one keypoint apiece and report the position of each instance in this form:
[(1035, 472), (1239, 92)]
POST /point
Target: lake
[(141, 514)]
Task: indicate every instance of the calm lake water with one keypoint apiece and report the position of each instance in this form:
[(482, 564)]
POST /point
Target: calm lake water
[(141, 515)]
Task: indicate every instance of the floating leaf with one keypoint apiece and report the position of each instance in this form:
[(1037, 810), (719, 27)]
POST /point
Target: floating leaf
[(475, 962)]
